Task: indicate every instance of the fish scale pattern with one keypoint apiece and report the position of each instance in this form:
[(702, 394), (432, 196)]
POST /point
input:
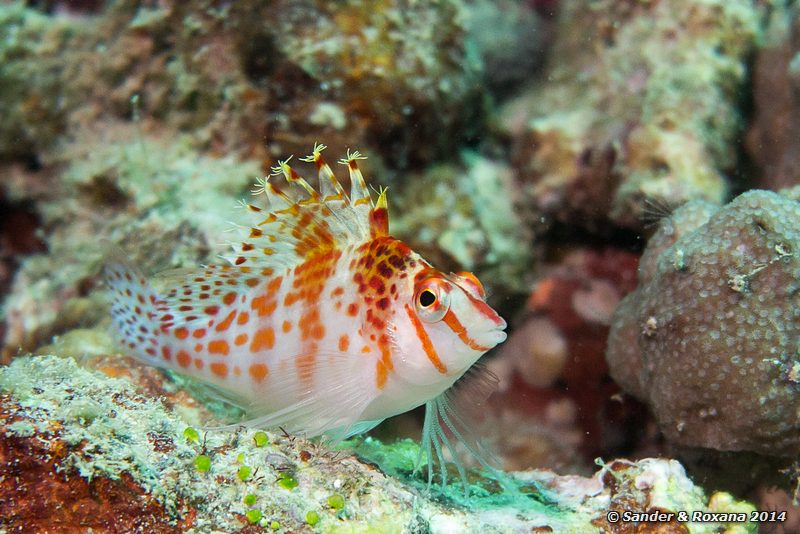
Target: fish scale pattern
[(709, 339)]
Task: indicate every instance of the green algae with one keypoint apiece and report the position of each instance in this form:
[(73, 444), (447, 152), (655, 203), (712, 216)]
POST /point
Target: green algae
[(202, 463)]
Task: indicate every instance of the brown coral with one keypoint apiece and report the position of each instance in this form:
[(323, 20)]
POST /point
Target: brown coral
[(710, 337)]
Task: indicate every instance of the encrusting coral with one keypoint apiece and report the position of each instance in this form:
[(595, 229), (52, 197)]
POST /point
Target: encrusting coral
[(709, 339), (639, 102)]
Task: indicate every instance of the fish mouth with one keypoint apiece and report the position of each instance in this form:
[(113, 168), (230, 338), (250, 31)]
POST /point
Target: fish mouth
[(500, 335), (496, 335)]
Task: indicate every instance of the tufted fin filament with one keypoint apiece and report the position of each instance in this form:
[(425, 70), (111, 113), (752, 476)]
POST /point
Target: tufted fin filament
[(300, 222)]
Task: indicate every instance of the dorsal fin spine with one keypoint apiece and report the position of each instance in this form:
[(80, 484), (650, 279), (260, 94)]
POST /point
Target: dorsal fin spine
[(379, 217), (330, 188), (359, 194), (293, 225)]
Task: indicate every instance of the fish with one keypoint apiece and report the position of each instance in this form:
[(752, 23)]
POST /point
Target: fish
[(319, 322)]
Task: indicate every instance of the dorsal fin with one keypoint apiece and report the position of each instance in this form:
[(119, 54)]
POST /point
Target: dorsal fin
[(301, 222)]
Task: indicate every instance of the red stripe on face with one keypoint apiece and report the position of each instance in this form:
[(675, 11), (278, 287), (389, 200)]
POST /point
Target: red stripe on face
[(426, 341), (455, 325), (486, 310)]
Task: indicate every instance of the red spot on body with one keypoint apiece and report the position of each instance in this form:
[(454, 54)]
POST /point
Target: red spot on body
[(183, 358), (344, 343), (181, 332), (200, 332), (221, 327), (287, 326), (384, 270), (263, 339), (377, 285), (385, 365), (258, 372), (166, 353), (240, 340), (220, 369), (318, 332), (352, 309), (199, 363), (219, 346), (229, 298), (244, 317), (264, 305), (310, 327), (381, 374), (274, 284)]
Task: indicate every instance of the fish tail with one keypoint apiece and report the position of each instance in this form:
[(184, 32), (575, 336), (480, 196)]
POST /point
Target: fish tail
[(135, 306)]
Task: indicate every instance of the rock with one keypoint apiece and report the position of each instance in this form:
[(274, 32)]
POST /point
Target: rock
[(709, 339)]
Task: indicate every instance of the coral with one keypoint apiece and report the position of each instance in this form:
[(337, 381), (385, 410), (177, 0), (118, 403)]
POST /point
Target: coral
[(349, 72), (640, 102), (386, 64), (709, 337), (466, 217), (34, 110), (115, 452)]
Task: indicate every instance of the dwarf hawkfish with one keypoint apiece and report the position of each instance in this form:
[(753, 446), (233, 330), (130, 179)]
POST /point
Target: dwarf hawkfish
[(322, 323)]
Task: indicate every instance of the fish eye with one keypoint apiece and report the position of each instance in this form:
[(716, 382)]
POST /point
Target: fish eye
[(432, 301), (426, 298)]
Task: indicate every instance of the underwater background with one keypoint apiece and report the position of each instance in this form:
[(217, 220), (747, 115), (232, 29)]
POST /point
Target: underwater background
[(623, 176)]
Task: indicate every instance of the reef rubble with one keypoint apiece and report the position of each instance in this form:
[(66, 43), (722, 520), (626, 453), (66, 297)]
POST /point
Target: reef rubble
[(110, 443)]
